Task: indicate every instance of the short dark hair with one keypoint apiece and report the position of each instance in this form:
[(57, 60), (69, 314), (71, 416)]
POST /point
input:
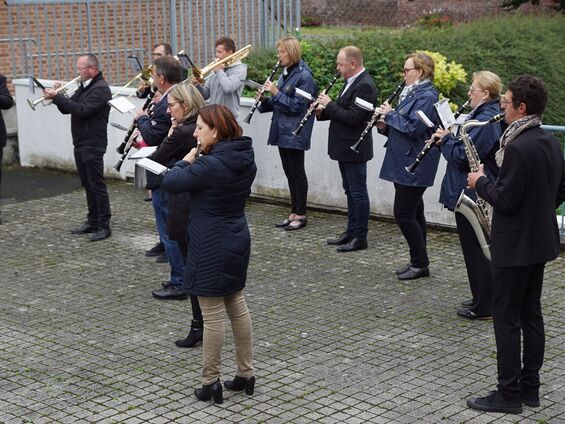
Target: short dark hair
[(169, 67), (91, 59), (219, 117), (531, 91), (166, 46), (228, 43)]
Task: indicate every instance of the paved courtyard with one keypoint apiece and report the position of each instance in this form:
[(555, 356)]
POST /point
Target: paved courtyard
[(337, 338)]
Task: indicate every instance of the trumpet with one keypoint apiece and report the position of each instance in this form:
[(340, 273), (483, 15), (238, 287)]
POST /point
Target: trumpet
[(241, 54), (62, 89), (314, 105), (376, 116), (412, 167), (260, 92)]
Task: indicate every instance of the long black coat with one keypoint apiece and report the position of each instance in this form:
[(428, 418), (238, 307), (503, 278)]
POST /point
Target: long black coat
[(172, 149), (219, 184), (530, 185), (6, 102), (349, 120)]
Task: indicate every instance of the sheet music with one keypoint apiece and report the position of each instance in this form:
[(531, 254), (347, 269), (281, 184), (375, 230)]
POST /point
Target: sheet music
[(143, 152), (122, 104), (152, 166), (424, 119), (363, 104), (445, 114)]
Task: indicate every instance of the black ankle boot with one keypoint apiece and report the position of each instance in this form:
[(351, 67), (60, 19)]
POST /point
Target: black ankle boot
[(194, 336), (210, 390), (241, 383)]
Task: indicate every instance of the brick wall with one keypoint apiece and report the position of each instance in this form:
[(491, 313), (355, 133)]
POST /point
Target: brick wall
[(398, 13)]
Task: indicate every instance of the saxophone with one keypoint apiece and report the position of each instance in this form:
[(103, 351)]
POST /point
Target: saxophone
[(477, 213)]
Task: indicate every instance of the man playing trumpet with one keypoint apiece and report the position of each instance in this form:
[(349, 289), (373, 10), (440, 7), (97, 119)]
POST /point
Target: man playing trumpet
[(89, 110)]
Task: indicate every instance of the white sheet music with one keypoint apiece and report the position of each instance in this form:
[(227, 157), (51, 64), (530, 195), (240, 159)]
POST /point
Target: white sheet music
[(122, 104), (143, 152), (445, 114), (152, 166)]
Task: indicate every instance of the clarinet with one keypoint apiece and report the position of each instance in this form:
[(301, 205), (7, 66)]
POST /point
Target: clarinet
[(376, 116), (127, 144), (260, 92), (314, 105), (412, 168)]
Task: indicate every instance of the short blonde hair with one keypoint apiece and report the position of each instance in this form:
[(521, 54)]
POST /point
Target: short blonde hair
[(189, 95), (489, 81), (425, 63), (353, 53), (292, 46)]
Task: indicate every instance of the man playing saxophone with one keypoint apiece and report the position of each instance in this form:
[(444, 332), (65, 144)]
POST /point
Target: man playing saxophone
[(484, 95)]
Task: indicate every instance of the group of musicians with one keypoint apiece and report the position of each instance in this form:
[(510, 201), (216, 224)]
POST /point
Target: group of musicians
[(521, 175)]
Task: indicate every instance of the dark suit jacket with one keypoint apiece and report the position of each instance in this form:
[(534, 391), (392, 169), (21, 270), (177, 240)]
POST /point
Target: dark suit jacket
[(524, 197), (348, 121), (6, 102), (154, 128)]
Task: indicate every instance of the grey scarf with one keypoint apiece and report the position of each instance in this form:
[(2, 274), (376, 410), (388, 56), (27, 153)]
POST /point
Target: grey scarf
[(513, 131)]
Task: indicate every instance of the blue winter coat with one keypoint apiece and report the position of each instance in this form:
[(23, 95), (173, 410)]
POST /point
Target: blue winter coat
[(288, 109), (218, 236), (485, 139), (406, 138)]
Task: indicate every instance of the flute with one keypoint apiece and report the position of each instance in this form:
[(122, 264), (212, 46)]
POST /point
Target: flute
[(260, 92), (412, 167), (376, 116), (314, 105)]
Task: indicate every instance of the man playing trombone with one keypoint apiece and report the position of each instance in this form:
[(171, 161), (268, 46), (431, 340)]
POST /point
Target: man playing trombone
[(225, 85), (89, 110)]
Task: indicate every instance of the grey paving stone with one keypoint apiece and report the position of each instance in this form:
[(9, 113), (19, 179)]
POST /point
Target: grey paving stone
[(337, 338)]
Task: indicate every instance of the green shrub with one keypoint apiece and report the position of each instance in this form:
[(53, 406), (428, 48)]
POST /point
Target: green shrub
[(509, 46)]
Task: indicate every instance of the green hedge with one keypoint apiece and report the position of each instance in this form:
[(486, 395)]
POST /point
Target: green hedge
[(509, 46)]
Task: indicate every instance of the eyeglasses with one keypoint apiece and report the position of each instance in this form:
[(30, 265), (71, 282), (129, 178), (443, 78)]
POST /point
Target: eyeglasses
[(471, 89), (406, 70), (503, 101)]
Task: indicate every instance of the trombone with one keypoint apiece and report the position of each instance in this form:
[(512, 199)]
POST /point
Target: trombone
[(144, 74), (241, 54), (63, 89)]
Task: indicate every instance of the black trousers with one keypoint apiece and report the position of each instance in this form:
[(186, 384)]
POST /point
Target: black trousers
[(409, 216), (90, 165), (517, 308), (196, 311), (478, 267), (293, 166)]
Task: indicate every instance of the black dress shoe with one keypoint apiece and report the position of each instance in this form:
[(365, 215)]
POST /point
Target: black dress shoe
[(156, 250), (414, 273), (494, 402), (166, 284), (85, 229), (194, 336), (469, 314), (283, 223), (403, 269), (342, 239), (210, 390), (101, 234), (353, 245), (468, 303), (241, 383), (530, 400), (171, 292), (162, 259), (301, 224)]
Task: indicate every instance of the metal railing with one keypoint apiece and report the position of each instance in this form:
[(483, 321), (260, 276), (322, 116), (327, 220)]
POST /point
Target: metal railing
[(47, 35)]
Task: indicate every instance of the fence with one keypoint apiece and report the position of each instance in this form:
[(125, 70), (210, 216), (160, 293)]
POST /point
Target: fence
[(46, 36)]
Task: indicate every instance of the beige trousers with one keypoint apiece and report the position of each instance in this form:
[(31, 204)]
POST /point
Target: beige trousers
[(213, 311)]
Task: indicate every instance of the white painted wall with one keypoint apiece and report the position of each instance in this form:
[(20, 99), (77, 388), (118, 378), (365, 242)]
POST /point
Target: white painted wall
[(45, 140)]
